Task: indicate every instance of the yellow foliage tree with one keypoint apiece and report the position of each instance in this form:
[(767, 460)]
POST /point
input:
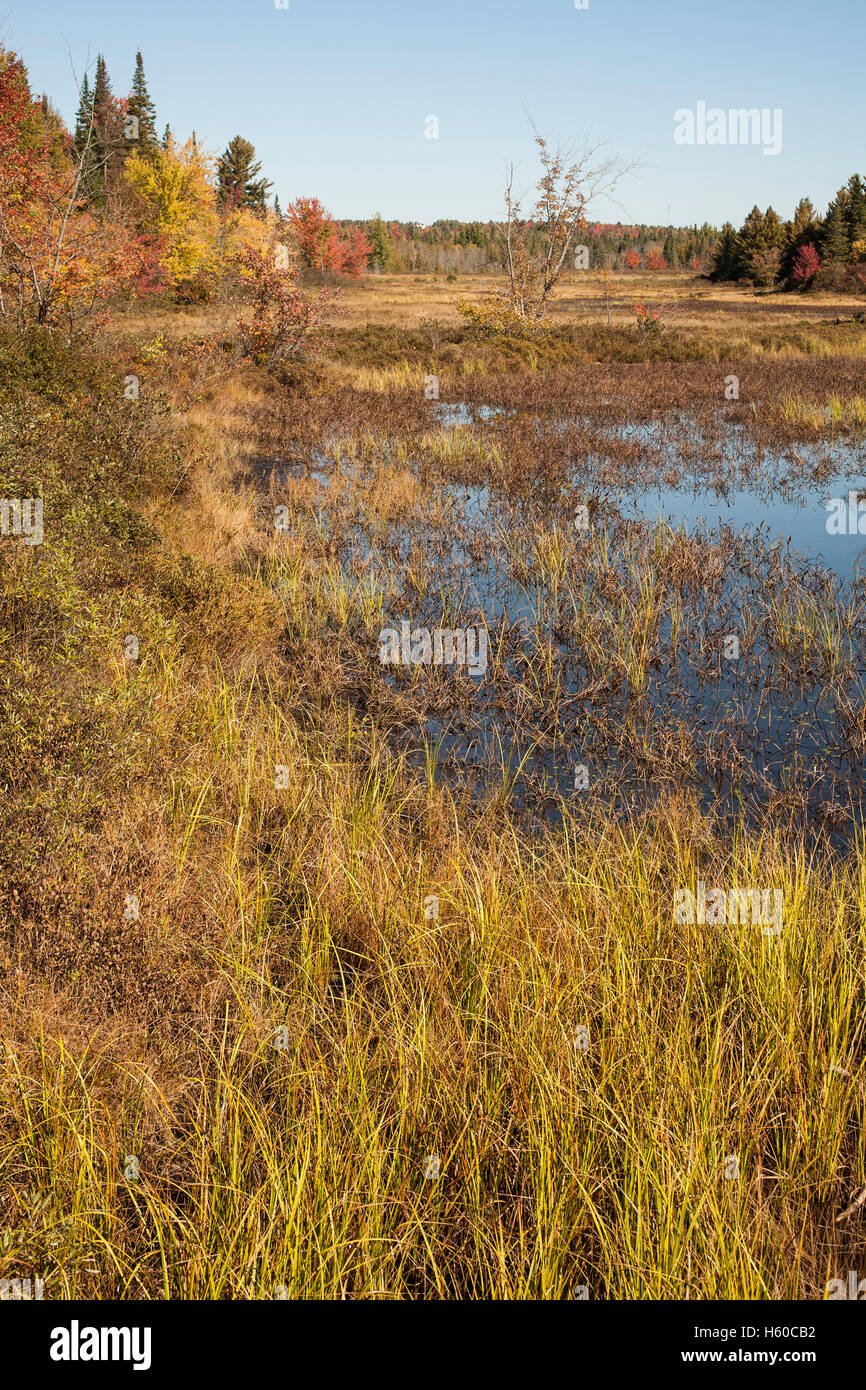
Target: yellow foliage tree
[(245, 230), (175, 190)]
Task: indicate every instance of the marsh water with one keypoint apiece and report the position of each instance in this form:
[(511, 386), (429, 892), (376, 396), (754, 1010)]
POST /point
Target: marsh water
[(689, 629)]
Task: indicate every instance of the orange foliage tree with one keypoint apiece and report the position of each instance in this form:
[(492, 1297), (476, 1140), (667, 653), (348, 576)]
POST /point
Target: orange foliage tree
[(319, 243), (58, 263)]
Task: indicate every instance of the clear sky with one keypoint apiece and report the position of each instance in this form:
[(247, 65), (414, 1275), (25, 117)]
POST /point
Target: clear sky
[(334, 94)]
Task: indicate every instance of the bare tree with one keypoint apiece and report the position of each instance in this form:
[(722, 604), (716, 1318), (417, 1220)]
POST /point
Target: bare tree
[(537, 252)]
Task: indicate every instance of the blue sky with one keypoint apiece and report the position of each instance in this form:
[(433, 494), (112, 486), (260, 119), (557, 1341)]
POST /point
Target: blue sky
[(334, 94)]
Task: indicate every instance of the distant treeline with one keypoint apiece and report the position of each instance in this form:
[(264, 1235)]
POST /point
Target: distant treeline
[(828, 252), (471, 248)]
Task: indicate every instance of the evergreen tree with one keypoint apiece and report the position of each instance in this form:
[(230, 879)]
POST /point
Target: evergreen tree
[(84, 143), (765, 258), (166, 136), (141, 106), (380, 240), (670, 249), (110, 144), (83, 116), (856, 210), (727, 261), (802, 230), (835, 243), (238, 181), (277, 209), (772, 231), (749, 241)]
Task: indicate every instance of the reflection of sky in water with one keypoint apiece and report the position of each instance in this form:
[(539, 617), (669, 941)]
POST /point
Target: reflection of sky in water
[(805, 522), (459, 413), (798, 512), (776, 496)]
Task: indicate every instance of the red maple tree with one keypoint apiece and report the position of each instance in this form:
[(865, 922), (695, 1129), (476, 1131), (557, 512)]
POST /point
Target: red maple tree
[(319, 243), (807, 262)]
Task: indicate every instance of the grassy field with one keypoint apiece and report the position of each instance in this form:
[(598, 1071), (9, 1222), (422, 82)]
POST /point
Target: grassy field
[(294, 1004)]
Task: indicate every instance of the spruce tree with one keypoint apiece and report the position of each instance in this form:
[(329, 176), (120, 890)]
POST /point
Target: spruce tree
[(764, 259), (84, 144), (835, 243), (750, 243), (802, 230), (110, 144), (238, 176), (83, 117), (669, 250), (727, 260), (141, 106), (856, 210)]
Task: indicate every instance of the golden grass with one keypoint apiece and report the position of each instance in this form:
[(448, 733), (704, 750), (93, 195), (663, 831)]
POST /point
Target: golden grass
[(404, 301), (340, 969)]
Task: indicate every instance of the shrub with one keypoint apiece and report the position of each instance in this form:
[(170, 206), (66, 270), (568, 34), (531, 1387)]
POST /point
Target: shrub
[(283, 314), (493, 315)]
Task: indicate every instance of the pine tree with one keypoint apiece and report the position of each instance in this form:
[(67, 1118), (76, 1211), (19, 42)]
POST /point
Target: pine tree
[(277, 209), (764, 262), (166, 136), (141, 106), (238, 181), (749, 242), (835, 243), (670, 249), (736, 247)]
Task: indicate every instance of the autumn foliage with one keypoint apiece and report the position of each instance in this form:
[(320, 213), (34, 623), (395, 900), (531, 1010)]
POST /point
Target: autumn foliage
[(283, 315), (110, 212), (58, 262), (319, 244), (807, 263)]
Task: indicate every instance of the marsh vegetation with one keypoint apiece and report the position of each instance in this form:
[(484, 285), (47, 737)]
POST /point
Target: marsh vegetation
[(375, 921)]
